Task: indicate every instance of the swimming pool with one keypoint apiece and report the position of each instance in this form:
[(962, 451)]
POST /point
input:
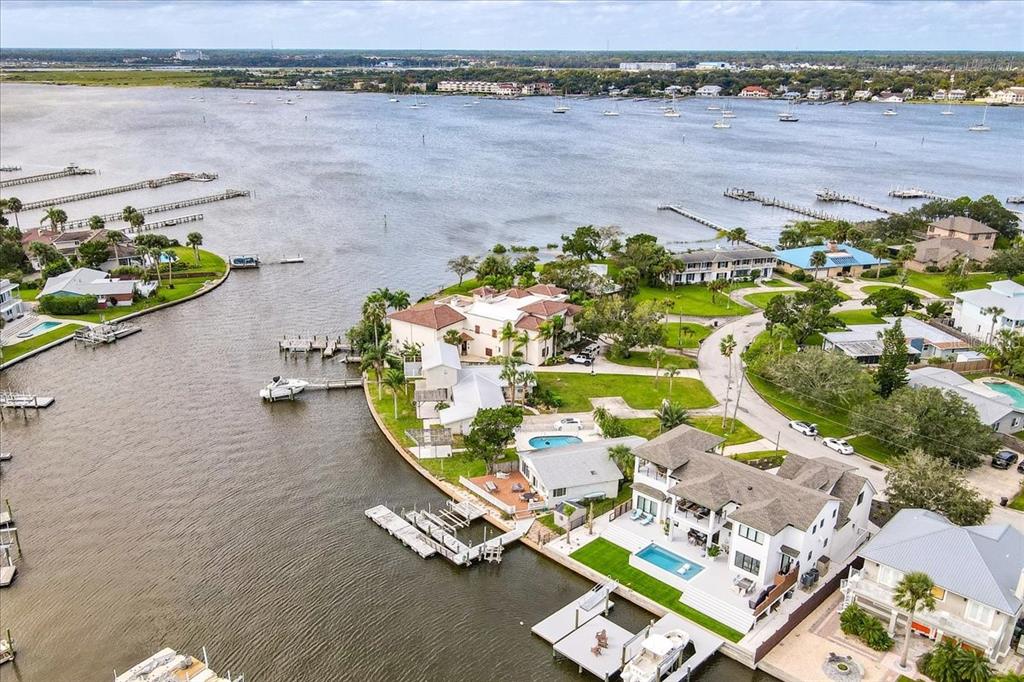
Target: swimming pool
[(38, 329), (1012, 390), (670, 561), (541, 442)]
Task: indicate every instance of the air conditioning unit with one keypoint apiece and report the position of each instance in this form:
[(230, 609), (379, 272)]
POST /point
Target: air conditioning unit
[(823, 564)]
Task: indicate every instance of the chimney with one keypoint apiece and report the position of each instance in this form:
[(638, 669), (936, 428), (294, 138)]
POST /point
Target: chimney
[(833, 247)]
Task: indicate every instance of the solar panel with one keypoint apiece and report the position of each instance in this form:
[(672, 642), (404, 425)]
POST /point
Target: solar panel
[(843, 260)]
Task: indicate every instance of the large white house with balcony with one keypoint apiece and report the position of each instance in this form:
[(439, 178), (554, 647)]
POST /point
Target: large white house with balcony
[(770, 530), (11, 306), (983, 312), (978, 572), (727, 264)]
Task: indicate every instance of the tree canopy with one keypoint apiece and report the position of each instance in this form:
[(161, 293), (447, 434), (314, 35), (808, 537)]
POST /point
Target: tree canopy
[(584, 243), (492, 429), (892, 365), (893, 301), (919, 481)]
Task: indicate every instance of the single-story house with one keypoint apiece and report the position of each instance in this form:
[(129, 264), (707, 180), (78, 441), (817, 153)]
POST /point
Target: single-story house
[(840, 259), (108, 291), (862, 342), (582, 472), (995, 410)]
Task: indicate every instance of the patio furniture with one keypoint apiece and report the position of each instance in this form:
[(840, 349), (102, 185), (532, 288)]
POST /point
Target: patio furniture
[(491, 487), (517, 487), (526, 497), (744, 586), (637, 513), (596, 650), (502, 475), (647, 520)]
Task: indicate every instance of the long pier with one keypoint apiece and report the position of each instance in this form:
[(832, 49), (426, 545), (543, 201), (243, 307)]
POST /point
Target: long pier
[(169, 222), (914, 193), (832, 195), (67, 172), (693, 216), (160, 208), (751, 195), (9, 169), (153, 183)]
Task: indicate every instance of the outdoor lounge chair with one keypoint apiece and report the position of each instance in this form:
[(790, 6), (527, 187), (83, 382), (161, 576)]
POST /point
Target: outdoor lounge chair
[(491, 487), (647, 520), (635, 516)]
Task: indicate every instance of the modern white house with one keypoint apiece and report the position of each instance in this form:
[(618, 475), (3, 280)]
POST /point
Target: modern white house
[(708, 91), (996, 410), (770, 529), (480, 320), (863, 342), (109, 292), (983, 312), (575, 473), (978, 572), (11, 305), (727, 264)]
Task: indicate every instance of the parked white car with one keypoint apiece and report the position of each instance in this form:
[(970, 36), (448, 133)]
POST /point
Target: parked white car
[(804, 428), (569, 424), (839, 445)]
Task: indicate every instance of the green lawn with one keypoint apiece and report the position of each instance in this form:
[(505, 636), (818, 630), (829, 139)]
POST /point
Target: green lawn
[(778, 282), (613, 561), (863, 316), (19, 349), (833, 423), (406, 411), (119, 78), (758, 454), (1018, 500), (872, 448), (643, 359), (27, 293), (208, 262), (692, 299), (640, 392), (467, 286), (548, 521), (935, 282), (680, 335), (650, 427), (761, 298), (450, 468)]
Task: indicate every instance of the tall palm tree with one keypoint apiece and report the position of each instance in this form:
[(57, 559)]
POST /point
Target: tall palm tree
[(914, 591), (508, 334), (671, 373), (557, 327), (96, 222), (657, 356), (727, 346), (907, 253), (169, 255), (394, 379), (56, 217), (995, 311), (375, 309), (399, 300), (153, 253), (375, 357), (136, 220), (453, 337), (14, 205), (817, 261), (126, 213), (879, 251), (195, 240), (715, 287), (624, 459), (546, 332), (519, 343), (671, 415), (525, 377), (509, 374)]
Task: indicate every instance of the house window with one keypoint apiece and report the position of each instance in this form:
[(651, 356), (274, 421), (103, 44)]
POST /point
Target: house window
[(938, 593), (747, 563), (487, 352), (645, 504), (751, 534), (825, 544), (834, 512), (476, 329), (558, 492), (860, 498), (979, 613), (494, 333), (888, 576), (814, 529)]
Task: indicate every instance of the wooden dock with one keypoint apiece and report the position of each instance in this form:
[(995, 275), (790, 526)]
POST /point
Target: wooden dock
[(327, 346), (330, 384), (693, 216), (9, 169), (830, 195), (1018, 199), (161, 208), (169, 222), (154, 183), (401, 529), (40, 177), (750, 195), (914, 193), (24, 400)]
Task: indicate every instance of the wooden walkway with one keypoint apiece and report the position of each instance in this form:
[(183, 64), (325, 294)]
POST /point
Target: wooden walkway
[(161, 208), (693, 216), (67, 172), (751, 195), (24, 400), (829, 195), (169, 222), (154, 183), (576, 613)]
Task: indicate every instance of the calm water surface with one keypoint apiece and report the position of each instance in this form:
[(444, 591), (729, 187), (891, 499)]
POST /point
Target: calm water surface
[(161, 504)]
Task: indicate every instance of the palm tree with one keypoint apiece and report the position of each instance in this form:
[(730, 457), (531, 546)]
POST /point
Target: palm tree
[(508, 334), (375, 357), (737, 235), (907, 253), (973, 666), (126, 213), (671, 415), (509, 374), (394, 379), (716, 287), (96, 222), (600, 414), (14, 206), (817, 261), (453, 337), (623, 458), (154, 253), (375, 309), (879, 251), (519, 343), (935, 309), (136, 220), (995, 311), (546, 332), (913, 591), (671, 373), (942, 662), (169, 255), (557, 327), (195, 240), (400, 300), (525, 377), (727, 346), (658, 355), (56, 217)]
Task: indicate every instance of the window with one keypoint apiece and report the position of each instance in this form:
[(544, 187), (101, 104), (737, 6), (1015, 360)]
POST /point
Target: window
[(476, 328), (751, 534), (938, 592), (860, 498), (487, 352), (645, 504), (558, 492), (814, 529), (979, 613), (834, 512), (889, 577), (825, 544), (523, 467), (747, 563)]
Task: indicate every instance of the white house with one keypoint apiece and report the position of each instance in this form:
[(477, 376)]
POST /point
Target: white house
[(978, 572), (862, 342), (862, 94), (108, 291), (579, 472), (11, 306), (714, 66), (728, 264), (708, 91), (996, 410), (481, 320), (755, 91), (817, 94), (982, 312)]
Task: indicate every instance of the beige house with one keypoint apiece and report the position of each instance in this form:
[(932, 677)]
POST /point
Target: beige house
[(978, 572), (952, 237)]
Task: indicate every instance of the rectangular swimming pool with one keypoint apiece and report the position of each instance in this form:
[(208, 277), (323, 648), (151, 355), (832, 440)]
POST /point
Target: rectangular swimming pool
[(670, 561), (40, 328)]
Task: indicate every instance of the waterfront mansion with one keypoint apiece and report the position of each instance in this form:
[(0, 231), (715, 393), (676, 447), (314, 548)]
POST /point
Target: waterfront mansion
[(728, 264), (483, 321)]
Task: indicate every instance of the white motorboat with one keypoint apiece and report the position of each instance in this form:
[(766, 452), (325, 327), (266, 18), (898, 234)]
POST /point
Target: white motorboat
[(890, 112), (561, 109), (283, 389), (787, 117), (721, 123), (609, 112), (714, 107), (393, 99), (726, 113), (658, 654), (671, 113)]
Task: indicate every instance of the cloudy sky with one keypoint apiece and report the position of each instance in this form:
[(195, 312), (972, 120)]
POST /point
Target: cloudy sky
[(522, 25)]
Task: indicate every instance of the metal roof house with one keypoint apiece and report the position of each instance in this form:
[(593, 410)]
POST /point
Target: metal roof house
[(862, 342), (575, 472), (840, 259), (994, 409), (978, 596)]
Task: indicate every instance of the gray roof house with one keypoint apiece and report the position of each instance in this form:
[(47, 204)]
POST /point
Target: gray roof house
[(575, 472), (979, 594), (994, 409), (862, 342), (710, 264)]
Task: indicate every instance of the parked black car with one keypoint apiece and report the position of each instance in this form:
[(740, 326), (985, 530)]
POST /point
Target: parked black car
[(1020, 470), (1004, 459)]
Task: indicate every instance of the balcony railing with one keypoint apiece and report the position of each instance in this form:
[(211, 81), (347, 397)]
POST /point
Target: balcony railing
[(778, 590), (652, 474)]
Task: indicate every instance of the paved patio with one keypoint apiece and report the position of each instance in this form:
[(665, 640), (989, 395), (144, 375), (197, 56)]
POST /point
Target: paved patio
[(504, 485)]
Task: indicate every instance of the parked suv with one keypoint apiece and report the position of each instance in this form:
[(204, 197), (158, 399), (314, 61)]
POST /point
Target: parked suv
[(581, 359), (1004, 459)]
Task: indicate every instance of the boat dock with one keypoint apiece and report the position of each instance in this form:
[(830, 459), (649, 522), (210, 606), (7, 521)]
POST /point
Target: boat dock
[(161, 208), (832, 195), (106, 333), (329, 384), (914, 193), (24, 400), (750, 195), (40, 177), (154, 183), (9, 169), (401, 529), (169, 222), (327, 346), (576, 613), (8, 540), (693, 216)]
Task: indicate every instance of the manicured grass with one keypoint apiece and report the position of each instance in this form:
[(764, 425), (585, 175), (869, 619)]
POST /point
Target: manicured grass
[(1018, 500), (761, 298), (680, 335), (831, 423), (874, 288), (604, 506), (740, 432), (208, 262), (935, 282), (640, 392), (872, 448), (18, 349), (863, 316), (643, 359), (27, 293), (777, 282), (692, 299), (613, 561), (113, 78), (386, 409), (450, 468), (548, 521), (467, 286), (758, 454), (645, 427)]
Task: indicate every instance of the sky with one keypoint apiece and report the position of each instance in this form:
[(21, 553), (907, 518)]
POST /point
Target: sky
[(518, 25)]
